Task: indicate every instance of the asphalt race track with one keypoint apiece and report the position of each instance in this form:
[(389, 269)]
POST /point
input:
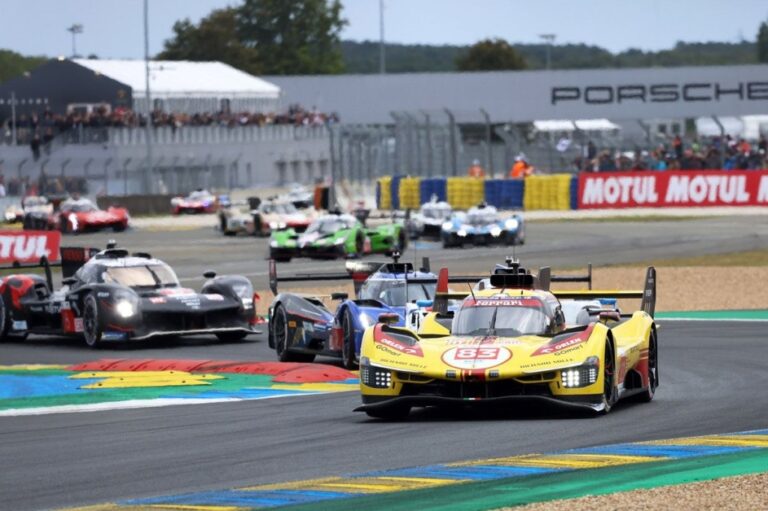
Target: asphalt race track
[(712, 376)]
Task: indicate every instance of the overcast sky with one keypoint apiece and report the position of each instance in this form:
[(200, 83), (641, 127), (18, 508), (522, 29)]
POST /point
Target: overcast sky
[(113, 28)]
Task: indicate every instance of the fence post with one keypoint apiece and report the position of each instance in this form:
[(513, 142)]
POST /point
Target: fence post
[(488, 147), (454, 148), (125, 176), (430, 149), (106, 175), (722, 141)]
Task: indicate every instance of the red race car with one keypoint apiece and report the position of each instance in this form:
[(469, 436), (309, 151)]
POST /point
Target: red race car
[(199, 201), (82, 215)]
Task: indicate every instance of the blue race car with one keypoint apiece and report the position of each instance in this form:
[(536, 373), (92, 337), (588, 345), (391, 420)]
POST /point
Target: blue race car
[(482, 225), (302, 327)]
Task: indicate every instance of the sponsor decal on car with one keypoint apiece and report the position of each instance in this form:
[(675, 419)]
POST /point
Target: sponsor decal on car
[(400, 347), (476, 357), (560, 347), (502, 302), (156, 299), (214, 297), (19, 325)]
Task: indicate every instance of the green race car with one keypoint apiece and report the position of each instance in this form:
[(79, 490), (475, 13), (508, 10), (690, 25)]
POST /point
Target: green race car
[(336, 235)]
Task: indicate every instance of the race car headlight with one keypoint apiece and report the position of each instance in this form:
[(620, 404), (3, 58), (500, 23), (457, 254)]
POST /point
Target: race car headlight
[(462, 232), (511, 223), (376, 377), (125, 309), (277, 225), (447, 226), (10, 215), (274, 244), (495, 231), (340, 241), (581, 376)]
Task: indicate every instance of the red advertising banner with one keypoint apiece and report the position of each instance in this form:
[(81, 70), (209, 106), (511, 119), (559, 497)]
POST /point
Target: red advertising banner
[(673, 188), (29, 246)]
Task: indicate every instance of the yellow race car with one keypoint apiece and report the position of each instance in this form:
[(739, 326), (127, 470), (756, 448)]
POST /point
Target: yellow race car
[(508, 342)]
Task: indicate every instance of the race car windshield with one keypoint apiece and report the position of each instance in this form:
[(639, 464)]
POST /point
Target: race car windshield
[(328, 226), (503, 316), (78, 207), (281, 209), (199, 195), (31, 202), (393, 292), (481, 218), (437, 213), (154, 275)]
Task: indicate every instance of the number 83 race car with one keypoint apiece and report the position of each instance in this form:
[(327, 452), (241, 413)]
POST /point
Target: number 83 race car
[(510, 343)]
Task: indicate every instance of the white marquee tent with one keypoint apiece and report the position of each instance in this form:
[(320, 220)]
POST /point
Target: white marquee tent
[(189, 86)]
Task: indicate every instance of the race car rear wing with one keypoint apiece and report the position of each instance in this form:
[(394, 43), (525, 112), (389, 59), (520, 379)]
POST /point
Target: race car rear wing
[(72, 258), (358, 271), (647, 295), (546, 278)]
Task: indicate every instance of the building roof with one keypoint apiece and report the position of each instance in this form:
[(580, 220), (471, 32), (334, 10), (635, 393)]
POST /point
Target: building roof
[(179, 79)]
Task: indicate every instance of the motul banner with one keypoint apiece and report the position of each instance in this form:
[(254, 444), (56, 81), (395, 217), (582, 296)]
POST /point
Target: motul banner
[(673, 188), (29, 246)]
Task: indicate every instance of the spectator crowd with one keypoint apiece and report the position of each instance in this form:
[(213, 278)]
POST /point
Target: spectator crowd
[(39, 130), (726, 153)]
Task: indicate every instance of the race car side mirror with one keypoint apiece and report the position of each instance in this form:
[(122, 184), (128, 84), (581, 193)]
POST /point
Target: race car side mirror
[(209, 274), (388, 318), (339, 296), (607, 316), (68, 281)]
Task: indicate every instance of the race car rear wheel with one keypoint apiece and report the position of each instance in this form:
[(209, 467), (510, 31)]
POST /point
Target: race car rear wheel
[(92, 328), (348, 355), (359, 244), (609, 376), (402, 241), (279, 325), (653, 369)]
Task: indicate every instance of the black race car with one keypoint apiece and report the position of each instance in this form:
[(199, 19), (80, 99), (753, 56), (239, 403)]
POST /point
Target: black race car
[(111, 295)]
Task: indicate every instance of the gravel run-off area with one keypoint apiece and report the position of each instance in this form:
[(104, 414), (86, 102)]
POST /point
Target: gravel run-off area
[(730, 493)]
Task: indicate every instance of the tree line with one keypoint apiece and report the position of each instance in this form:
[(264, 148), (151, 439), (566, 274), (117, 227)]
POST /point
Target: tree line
[(275, 37)]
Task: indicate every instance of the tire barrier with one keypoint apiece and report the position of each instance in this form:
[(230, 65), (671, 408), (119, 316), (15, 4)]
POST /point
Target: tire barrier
[(433, 187), (384, 193), (465, 192), (548, 192), (555, 192), (505, 193), (409, 193)]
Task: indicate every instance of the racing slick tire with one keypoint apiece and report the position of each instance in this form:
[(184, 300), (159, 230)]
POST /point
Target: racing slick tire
[(359, 245), (402, 241), (231, 336), (610, 392), (119, 227), (279, 326), (348, 355), (394, 412), (653, 369), (27, 223), (280, 259), (5, 321), (92, 327), (5, 325)]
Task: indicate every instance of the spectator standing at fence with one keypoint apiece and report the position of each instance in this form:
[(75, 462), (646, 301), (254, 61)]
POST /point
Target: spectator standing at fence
[(476, 170), (521, 168), (34, 145), (677, 146)]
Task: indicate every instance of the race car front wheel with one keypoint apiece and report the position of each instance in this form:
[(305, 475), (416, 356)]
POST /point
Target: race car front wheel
[(653, 369), (348, 355), (279, 325), (92, 329), (609, 376)]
